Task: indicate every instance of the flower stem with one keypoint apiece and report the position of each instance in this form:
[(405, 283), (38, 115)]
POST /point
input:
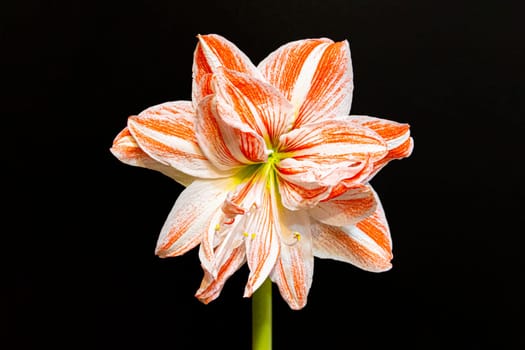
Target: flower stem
[(262, 317)]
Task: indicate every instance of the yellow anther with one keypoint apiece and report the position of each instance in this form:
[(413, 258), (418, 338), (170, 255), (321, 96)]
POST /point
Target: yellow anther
[(217, 227), (297, 235), (245, 234), (252, 235)]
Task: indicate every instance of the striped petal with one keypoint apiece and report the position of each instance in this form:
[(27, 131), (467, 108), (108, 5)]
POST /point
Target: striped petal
[(358, 179), (396, 135), (333, 141), (243, 99), (166, 133), (315, 75), (128, 151), (293, 272), (367, 244), (227, 146), (191, 215), (297, 196), (211, 287), (262, 241), (320, 156), (226, 230), (202, 87), (347, 209), (214, 51)]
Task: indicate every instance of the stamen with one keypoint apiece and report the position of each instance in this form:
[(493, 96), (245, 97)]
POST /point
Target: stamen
[(252, 236), (245, 234), (217, 227), (296, 238)]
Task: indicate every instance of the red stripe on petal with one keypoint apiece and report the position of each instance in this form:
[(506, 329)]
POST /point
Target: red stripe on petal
[(200, 62), (218, 51), (402, 151), (299, 196), (366, 244), (210, 288), (166, 133), (396, 136), (282, 67), (293, 271), (333, 140), (389, 130), (227, 143), (211, 136), (322, 156), (376, 227), (330, 91), (171, 118), (128, 151), (349, 245), (174, 233), (214, 51), (161, 149), (349, 208), (292, 280), (202, 87), (190, 216), (254, 103), (392, 132), (262, 243)]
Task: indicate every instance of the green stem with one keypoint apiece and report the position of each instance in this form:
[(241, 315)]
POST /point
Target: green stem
[(262, 317)]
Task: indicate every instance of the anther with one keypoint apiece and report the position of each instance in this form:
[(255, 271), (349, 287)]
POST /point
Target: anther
[(296, 238)]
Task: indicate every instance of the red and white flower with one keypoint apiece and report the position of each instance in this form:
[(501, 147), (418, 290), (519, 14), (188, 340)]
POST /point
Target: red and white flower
[(277, 172)]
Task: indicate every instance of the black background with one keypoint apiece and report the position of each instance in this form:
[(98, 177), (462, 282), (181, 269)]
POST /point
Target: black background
[(81, 226)]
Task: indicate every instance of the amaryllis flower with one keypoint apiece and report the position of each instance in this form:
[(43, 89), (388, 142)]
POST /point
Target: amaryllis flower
[(276, 171)]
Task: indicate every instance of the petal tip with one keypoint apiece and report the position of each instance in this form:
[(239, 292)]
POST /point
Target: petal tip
[(387, 266), (248, 291), (161, 253), (296, 305)]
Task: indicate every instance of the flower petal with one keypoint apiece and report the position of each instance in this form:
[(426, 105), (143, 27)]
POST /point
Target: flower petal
[(166, 133), (213, 143), (128, 151), (190, 216), (367, 244), (296, 196), (227, 146), (396, 135), (320, 172), (214, 51), (291, 63), (262, 241), (315, 75), (202, 87), (349, 208), (357, 179), (293, 272), (244, 99), (210, 287), (333, 141), (320, 156), (226, 228)]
